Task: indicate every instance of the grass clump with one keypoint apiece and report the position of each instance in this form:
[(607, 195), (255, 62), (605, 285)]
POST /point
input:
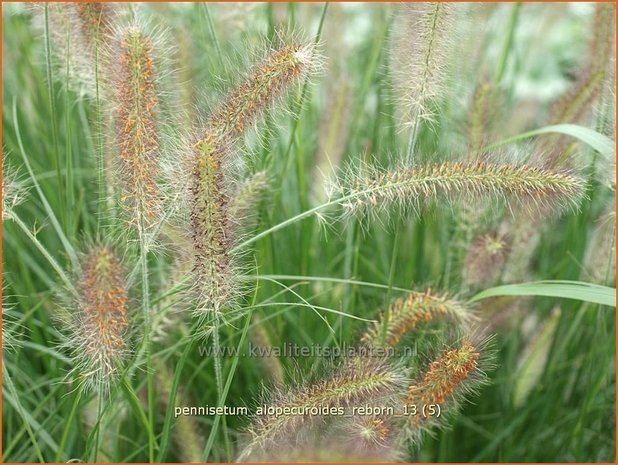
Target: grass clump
[(122, 191)]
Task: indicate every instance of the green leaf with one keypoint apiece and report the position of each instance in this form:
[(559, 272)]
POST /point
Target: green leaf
[(577, 290), (599, 142)]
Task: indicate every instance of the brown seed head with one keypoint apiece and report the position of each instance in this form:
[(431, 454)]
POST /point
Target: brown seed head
[(265, 83), (136, 126), (444, 376), (210, 223), (406, 314), (102, 320)]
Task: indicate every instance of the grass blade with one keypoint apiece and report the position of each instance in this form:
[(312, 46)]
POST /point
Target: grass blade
[(577, 290)]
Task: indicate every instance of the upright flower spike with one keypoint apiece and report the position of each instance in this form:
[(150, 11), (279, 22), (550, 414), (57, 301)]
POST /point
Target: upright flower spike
[(95, 21), (217, 207), (405, 314), (136, 104), (359, 381), (419, 56), (265, 83), (271, 366), (80, 33), (480, 122), (410, 188), (600, 257), (447, 380), (100, 325), (211, 226)]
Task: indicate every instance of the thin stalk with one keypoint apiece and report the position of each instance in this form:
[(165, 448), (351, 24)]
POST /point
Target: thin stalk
[(45, 253), (48, 209), (217, 359), (102, 185), (391, 277), (68, 424), (230, 376), (97, 436), (508, 43), (52, 105), (147, 329), (299, 108)]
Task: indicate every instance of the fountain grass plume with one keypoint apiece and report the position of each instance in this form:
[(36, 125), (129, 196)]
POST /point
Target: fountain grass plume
[(480, 122), (219, 204), (270, 364), (211, 226), (247, 197), (98, 324), (133, 80), (447, 381), (79, 33), (405, 314), (600, 256), (358, 380), (575, 105), (266, 83), (420, 48), (372, 190), (96, 22)]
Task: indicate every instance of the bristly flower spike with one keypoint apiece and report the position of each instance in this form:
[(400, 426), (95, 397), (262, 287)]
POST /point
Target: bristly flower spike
[(445, 383), (419, 56), (406, 314), (359, 381), (265, 83), (411, 188), (99, 325), (218, 206), (133, 77)]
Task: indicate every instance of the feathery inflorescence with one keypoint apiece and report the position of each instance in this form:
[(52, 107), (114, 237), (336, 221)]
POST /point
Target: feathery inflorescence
[(95, 20), (332, 135), (405, 314), (271, 365), (99, 328), (266, 83), (600, 257), (247, 197), (411, 188), (445, 382), (480, 121), (219, 204), (79, 35), (419, 57), (133, 75), (331, 445), (211, 226), (360, 380)]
